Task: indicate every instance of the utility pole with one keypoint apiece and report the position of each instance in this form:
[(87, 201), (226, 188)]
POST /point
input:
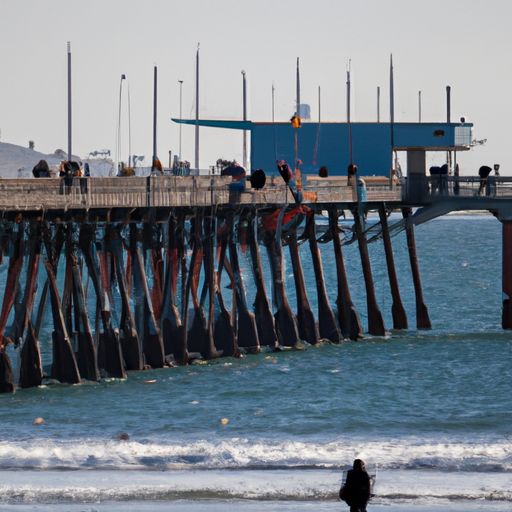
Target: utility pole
[(378, 104), (153, 167), (69, 102), (181, 104), (245, 119), (118, 148), (197, 110)]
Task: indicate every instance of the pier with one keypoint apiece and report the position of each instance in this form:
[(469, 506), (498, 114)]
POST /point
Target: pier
[(150, 253)]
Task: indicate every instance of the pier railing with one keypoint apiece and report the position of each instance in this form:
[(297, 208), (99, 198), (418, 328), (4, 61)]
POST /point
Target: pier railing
[(165, 191), (190, 191), (423, 190)]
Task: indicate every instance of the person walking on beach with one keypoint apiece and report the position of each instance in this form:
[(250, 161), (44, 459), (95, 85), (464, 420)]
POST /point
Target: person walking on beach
[(356, 490)]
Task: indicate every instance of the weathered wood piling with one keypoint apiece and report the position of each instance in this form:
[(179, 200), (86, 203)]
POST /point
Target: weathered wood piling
[(159, 275)]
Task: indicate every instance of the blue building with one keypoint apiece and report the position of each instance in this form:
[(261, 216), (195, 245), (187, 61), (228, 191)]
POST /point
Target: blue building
[(327, 144)]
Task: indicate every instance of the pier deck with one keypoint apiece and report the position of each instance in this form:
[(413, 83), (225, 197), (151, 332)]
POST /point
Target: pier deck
[(47, 194)]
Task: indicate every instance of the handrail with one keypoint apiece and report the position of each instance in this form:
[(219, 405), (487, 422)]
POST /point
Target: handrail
[(430, 189), (190, 191), (163, 191)]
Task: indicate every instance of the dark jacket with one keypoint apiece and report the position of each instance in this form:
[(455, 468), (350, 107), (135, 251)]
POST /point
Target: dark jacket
[(41, 170), (356, 491), (484, 171)]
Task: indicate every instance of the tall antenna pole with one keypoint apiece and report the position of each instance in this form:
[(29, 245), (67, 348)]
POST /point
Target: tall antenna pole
[(154, 119), (273, 121), (448, 104), (245, 119), (69, 102), (197, 109), (181, 104), (318, 129), (378, 104), (298, 89), (419, 105), (296, 124), (448, 120), (391, 101), (348, 114), (118, 149), (319, 106), (273, 107), (129, 129)]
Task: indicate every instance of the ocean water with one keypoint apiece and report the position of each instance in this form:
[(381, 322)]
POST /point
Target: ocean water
[(430, 412)]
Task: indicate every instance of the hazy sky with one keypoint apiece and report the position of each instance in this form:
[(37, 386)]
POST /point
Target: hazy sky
[(462, 43)]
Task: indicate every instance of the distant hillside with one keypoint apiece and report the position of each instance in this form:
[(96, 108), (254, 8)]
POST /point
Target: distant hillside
[(18, 162)]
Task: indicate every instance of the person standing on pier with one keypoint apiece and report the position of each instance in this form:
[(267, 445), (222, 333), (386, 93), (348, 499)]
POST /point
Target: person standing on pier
[(356, 491), (41, 170), (66, 172), (352, 180), (435, 172), (483, 172), (443, 179)]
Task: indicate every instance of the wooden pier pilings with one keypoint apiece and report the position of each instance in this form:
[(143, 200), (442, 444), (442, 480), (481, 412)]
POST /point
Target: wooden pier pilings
[(133, 273)]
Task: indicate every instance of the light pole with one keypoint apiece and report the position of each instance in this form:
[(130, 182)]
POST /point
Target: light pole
[(245, 119), (118, 149), (181, 104), (197, 111), (69, 102), (129, 129)]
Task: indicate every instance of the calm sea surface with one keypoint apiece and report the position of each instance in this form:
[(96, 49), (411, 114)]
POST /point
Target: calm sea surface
[(429, 411)]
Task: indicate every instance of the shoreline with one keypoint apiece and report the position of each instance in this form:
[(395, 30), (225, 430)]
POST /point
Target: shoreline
[(247, 491)]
